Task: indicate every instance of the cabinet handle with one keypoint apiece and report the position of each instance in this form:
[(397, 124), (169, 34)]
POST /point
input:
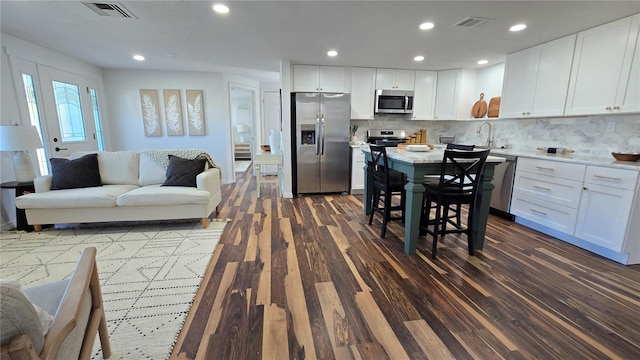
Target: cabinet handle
[(602, 177), (538, 212), (528, 112), (608, 108), (545, 168), (616, 107), (585, 188), (524, 113), (541, 188)]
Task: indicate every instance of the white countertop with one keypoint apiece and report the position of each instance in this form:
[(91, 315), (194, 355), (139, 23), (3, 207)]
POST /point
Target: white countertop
[(436, 156), (572, 158), (424, 157)]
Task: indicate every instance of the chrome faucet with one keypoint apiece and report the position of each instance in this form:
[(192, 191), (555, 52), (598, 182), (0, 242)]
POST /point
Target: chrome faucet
[(490, 136)]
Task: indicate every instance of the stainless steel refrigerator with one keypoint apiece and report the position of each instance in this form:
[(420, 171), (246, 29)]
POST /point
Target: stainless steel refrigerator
[(321, 136)]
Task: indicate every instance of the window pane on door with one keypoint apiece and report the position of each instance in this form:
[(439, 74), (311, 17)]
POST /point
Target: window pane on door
[(34, 116), (67, 98), (96, 116)]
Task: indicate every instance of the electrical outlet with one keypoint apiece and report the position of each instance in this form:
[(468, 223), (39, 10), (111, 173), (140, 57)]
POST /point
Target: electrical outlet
[(611, 127)]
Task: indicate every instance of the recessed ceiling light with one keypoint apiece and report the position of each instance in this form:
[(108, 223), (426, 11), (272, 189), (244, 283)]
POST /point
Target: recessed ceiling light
[(220, 9), (483, 62), (418, 58), (518, 27), (138, 57), (426, 26), (332, 53)]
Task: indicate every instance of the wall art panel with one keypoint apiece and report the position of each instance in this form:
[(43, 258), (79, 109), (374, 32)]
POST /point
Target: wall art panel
[(150, 112), (173, 112), (195, 112)]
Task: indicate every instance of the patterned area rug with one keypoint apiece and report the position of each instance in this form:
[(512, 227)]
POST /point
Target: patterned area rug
[(149, 274)]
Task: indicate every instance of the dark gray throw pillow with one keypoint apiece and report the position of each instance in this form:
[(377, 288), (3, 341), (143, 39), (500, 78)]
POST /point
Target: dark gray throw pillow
[(78, 173), (183, 172)]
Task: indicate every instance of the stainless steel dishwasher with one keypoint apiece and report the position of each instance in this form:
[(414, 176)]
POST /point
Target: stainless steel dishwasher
[(503, 181)]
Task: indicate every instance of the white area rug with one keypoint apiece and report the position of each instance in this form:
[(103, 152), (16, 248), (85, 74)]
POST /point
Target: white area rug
[(149, 274)]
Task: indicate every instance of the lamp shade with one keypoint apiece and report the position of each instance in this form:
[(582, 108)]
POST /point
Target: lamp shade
[(19, 138), (242, 128)]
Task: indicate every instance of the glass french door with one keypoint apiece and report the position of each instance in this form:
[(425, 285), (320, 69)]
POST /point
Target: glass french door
[(69, 112)]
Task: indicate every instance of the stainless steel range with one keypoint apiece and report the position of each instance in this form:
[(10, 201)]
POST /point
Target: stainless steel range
[(389, 138)]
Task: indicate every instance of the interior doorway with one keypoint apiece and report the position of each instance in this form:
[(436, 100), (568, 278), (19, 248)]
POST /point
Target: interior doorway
[(271, 120), (242, 112)]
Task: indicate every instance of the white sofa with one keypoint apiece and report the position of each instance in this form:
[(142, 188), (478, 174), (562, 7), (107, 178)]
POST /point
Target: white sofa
[(131, 191)]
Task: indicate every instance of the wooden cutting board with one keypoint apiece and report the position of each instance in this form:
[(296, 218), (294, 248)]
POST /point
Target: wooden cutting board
[(494, 107), (479, 108)]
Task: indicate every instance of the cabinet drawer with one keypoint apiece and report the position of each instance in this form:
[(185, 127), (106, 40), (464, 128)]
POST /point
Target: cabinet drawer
[(558, 217), (617, 178), (560, 191), (555, 169)]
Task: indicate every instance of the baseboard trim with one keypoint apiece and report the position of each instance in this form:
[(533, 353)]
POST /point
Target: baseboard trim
[(8, 225)]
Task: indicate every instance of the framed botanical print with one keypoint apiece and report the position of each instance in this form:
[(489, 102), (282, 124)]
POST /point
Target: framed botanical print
[(150, 112), (173, 112), (195, 112)]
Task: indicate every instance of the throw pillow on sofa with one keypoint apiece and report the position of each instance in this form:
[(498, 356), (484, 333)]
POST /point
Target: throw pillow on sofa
[(183, 172), (78, 173)]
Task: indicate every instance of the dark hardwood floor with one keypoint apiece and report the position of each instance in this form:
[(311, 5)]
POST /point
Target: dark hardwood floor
[(308, 278)]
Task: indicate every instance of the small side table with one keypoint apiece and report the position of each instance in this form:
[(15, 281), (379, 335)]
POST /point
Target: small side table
[(20, 187), (267, 158)]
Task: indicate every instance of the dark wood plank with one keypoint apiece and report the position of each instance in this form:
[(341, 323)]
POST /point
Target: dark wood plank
[(525, 296)]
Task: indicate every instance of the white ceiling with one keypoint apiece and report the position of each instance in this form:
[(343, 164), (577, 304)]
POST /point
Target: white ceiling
[(256, 35)]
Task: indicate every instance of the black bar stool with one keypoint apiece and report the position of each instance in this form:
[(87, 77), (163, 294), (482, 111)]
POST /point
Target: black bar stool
[(460, 175), (386, 184)]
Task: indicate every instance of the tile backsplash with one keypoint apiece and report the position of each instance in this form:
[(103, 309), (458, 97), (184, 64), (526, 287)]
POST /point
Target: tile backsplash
[(595, 136)]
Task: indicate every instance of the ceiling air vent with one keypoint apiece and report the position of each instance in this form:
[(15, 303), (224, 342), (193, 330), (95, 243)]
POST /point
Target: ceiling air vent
[(110, 9), (473, 22)]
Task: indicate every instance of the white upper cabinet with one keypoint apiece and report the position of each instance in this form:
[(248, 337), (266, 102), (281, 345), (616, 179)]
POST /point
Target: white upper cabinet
[(455, 94), (631, 100), (309, 78), (394, 79), (602, 80), (448, 84), (519, 83), (363, 81), (424, 96), (536, 80)]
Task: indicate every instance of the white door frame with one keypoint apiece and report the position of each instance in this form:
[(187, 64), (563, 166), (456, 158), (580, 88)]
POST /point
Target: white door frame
[(255, 123)]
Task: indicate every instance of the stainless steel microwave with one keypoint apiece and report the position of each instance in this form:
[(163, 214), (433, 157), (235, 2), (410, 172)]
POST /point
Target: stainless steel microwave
[(394, 102)]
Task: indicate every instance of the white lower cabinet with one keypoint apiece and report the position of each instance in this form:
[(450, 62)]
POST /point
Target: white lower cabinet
[(548, 193), (605, 206), (357, 170), (588, 206), (557, 217)]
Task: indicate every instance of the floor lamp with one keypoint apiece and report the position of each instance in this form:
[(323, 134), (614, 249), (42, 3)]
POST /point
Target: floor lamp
[(20, 139)]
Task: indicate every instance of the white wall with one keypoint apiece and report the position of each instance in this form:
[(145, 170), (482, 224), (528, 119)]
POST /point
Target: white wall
[(14, 49), (489, 81), (287, 149), (8, 114), (122, 88)]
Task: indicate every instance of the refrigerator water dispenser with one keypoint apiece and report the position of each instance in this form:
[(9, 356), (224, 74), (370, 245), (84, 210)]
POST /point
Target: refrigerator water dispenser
[(308, 134)]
